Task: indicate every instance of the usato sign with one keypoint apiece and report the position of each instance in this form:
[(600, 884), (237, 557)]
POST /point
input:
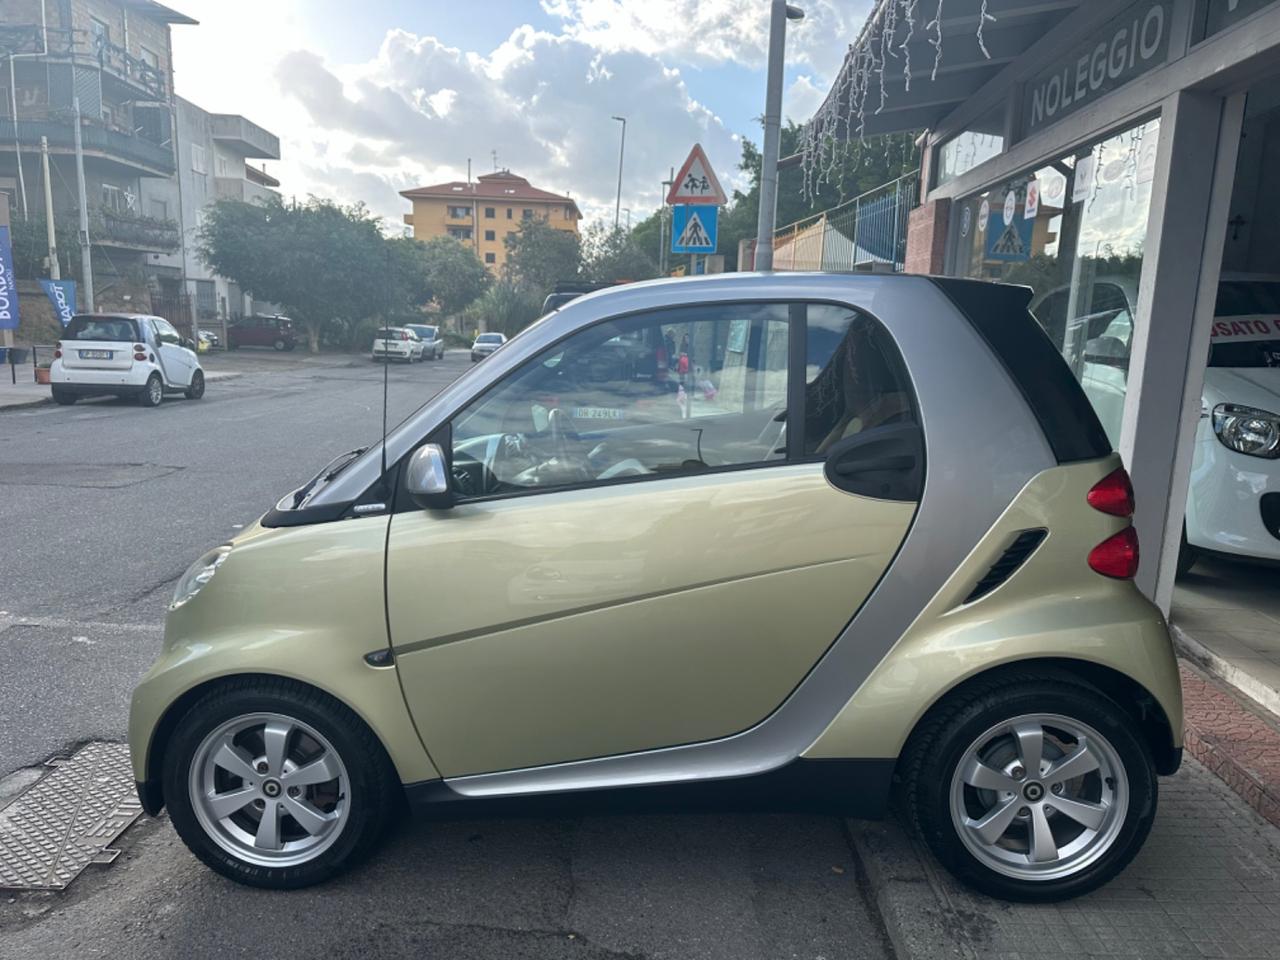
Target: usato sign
[(1125, 48), (62, 294)]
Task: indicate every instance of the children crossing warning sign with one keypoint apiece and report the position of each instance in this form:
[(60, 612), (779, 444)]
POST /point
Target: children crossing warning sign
[(694, 228), (696, 182)]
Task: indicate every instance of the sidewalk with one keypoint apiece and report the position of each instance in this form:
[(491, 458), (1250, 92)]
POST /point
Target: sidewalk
[(1207, 884)]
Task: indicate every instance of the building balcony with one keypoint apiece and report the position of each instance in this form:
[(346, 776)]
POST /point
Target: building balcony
[(84, 50), (129, 231), (137, 153), (234, 188), (244, 136)]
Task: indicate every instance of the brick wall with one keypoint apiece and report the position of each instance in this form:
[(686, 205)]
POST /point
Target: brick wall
[(927, 237)]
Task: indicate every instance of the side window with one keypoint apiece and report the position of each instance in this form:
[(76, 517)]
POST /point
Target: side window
[(854, 378), (671, 392), (165, 332)]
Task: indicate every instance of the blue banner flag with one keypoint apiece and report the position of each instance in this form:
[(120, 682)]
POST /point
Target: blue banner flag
[(8, 285), (62, 294)]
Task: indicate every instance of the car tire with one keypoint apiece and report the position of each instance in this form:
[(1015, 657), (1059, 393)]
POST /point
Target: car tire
[(63, 397), (358, 801), (153, 392), (991, 722), (1187, 554), (280, 346), (196, 390)]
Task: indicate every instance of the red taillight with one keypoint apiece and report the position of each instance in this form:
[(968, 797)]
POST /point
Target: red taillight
[(1116, 556), (57, 350), (1113, 494), (57, 354), (404, 336), (139, 356), (139, 347)]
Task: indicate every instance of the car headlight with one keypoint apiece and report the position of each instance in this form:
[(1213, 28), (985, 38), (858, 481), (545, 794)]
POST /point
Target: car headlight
[(197, 575), (1247, 430)]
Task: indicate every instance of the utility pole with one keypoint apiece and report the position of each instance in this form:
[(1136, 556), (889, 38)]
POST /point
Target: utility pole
[(17, 143), (55, 271), (622, 150), (780, 12), (86, 258), (662, 222)]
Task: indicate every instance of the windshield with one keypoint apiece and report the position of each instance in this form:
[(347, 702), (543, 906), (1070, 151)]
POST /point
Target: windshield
[(489, 338), (117, 329), (426, 333)]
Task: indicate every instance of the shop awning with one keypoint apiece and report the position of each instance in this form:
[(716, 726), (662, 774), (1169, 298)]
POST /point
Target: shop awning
[(917, 60)]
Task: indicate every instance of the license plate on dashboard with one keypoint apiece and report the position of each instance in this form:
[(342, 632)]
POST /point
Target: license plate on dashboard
[(95, 354)]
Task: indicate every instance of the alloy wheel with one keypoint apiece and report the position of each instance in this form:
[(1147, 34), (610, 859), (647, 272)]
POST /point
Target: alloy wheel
[(1039, 797), (269, 789), (155, 391)]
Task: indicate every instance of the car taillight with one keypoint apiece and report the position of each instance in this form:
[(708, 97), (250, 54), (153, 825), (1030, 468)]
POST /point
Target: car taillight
[(139, 347), (57, 350), (139, 356), (404, 336), (1116, 556), (1113, 494)]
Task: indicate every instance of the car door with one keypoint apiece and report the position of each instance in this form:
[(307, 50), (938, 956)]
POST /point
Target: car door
[(176, 361), (650, 550)]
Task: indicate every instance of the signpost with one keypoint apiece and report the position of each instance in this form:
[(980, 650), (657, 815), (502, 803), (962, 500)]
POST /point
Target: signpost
[(695, 197)]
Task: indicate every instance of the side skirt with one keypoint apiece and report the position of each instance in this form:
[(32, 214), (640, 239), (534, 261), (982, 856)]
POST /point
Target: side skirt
[(851, 788)]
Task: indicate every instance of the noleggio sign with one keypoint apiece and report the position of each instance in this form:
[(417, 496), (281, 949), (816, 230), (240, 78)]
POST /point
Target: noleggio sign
[(1125, 48)]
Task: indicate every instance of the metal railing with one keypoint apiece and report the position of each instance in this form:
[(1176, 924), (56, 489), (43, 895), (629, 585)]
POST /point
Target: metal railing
[(59, 127), (859, 233), (81, 47)]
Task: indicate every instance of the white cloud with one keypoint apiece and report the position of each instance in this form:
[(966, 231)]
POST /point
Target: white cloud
[(802, 98), (418, 110)]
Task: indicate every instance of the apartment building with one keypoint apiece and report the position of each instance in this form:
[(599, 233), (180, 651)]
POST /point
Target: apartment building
[(481, 213), (115, 58)]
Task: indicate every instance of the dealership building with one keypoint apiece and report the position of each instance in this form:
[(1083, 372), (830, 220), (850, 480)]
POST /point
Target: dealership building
[(1122, 159)]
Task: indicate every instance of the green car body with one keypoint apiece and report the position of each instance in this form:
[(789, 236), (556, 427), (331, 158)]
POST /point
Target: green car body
[(591, 637)]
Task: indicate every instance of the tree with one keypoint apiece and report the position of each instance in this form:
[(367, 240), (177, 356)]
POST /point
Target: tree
[(539, 256), (505, 307), (452, 272), (326, 264), (612, 255)]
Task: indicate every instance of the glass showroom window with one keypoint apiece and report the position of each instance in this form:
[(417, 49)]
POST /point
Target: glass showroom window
[(1074, 232), (977, 143)]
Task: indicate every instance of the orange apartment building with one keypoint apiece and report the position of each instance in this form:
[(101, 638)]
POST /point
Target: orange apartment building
[(483, 212)]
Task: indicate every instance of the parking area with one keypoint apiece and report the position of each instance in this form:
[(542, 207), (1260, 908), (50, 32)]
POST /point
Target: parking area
[(106, 504)]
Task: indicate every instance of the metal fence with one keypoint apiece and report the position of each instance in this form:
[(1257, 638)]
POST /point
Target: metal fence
[(867, 230)]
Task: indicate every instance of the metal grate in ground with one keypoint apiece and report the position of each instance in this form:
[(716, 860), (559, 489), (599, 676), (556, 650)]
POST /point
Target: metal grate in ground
[(67, 819)]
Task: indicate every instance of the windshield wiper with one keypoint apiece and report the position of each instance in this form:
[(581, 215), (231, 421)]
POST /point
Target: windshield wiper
[(330, 470)]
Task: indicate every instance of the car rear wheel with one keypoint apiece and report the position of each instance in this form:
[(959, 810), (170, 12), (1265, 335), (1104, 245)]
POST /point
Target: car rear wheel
[(63, 397), (1034, 789), (280, 345), (196, 390), (275, 784), (153, 393)]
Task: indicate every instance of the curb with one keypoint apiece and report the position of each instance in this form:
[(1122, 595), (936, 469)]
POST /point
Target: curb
[(25, 404), (1217, 666)]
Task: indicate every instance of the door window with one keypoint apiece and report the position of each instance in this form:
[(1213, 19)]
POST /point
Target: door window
[(681, 391), (165, 332)]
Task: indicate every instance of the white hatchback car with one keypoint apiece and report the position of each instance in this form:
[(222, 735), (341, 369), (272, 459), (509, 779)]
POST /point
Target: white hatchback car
[(397, 343), (126, 355), (1233, 505)]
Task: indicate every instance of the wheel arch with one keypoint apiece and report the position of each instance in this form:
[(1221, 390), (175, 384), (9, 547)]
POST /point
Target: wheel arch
[(1130, 695), (151, 790)]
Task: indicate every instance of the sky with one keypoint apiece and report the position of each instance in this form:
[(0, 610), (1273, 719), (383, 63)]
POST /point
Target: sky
[(373, 98)]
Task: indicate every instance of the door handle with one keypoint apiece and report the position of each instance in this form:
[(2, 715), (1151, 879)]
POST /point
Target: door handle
[(850, 468)]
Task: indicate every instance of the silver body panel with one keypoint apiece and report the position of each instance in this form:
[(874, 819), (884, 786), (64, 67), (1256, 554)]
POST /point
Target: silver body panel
[(971, 412)]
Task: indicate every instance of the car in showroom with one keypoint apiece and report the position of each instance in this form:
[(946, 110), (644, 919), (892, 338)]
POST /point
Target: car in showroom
[(124, 355), (883, 543), (432, 339), (485, 344), (1233, 503), (275, 331), (397, 343)]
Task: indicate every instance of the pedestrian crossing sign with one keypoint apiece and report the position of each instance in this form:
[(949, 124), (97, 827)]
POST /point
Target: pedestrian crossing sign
[(694, 228)]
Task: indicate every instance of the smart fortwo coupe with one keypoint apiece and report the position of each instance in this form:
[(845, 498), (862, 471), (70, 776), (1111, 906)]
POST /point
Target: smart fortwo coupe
[(791, 541)]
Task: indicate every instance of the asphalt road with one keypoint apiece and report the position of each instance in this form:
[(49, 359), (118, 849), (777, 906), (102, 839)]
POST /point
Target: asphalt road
[(104, 504)]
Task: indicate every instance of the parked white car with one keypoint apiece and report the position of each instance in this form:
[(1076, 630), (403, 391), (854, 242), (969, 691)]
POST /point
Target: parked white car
[(485, 344), (1233, 505), (432, 340), (396, 343), (127, 355)]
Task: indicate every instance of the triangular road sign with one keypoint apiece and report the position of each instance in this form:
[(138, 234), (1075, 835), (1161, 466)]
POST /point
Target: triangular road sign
[(696, 182)]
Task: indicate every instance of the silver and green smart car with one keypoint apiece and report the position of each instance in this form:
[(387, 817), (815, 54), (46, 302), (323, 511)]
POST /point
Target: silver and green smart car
[(756, 541)]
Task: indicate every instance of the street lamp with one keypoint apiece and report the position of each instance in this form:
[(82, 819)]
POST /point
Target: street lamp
[(779, 13), (622, 148)]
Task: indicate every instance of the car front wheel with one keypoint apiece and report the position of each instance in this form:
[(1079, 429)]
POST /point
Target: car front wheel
[(275, 784), (196, 390), (1032, 789)]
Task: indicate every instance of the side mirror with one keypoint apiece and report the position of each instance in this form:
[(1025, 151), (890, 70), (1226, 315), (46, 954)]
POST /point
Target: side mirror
[(427, 479)]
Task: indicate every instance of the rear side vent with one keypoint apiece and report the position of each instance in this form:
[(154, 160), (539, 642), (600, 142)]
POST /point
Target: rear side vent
[(1004, 568)]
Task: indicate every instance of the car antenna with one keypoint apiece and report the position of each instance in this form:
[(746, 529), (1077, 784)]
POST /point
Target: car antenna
[(386, 366)]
